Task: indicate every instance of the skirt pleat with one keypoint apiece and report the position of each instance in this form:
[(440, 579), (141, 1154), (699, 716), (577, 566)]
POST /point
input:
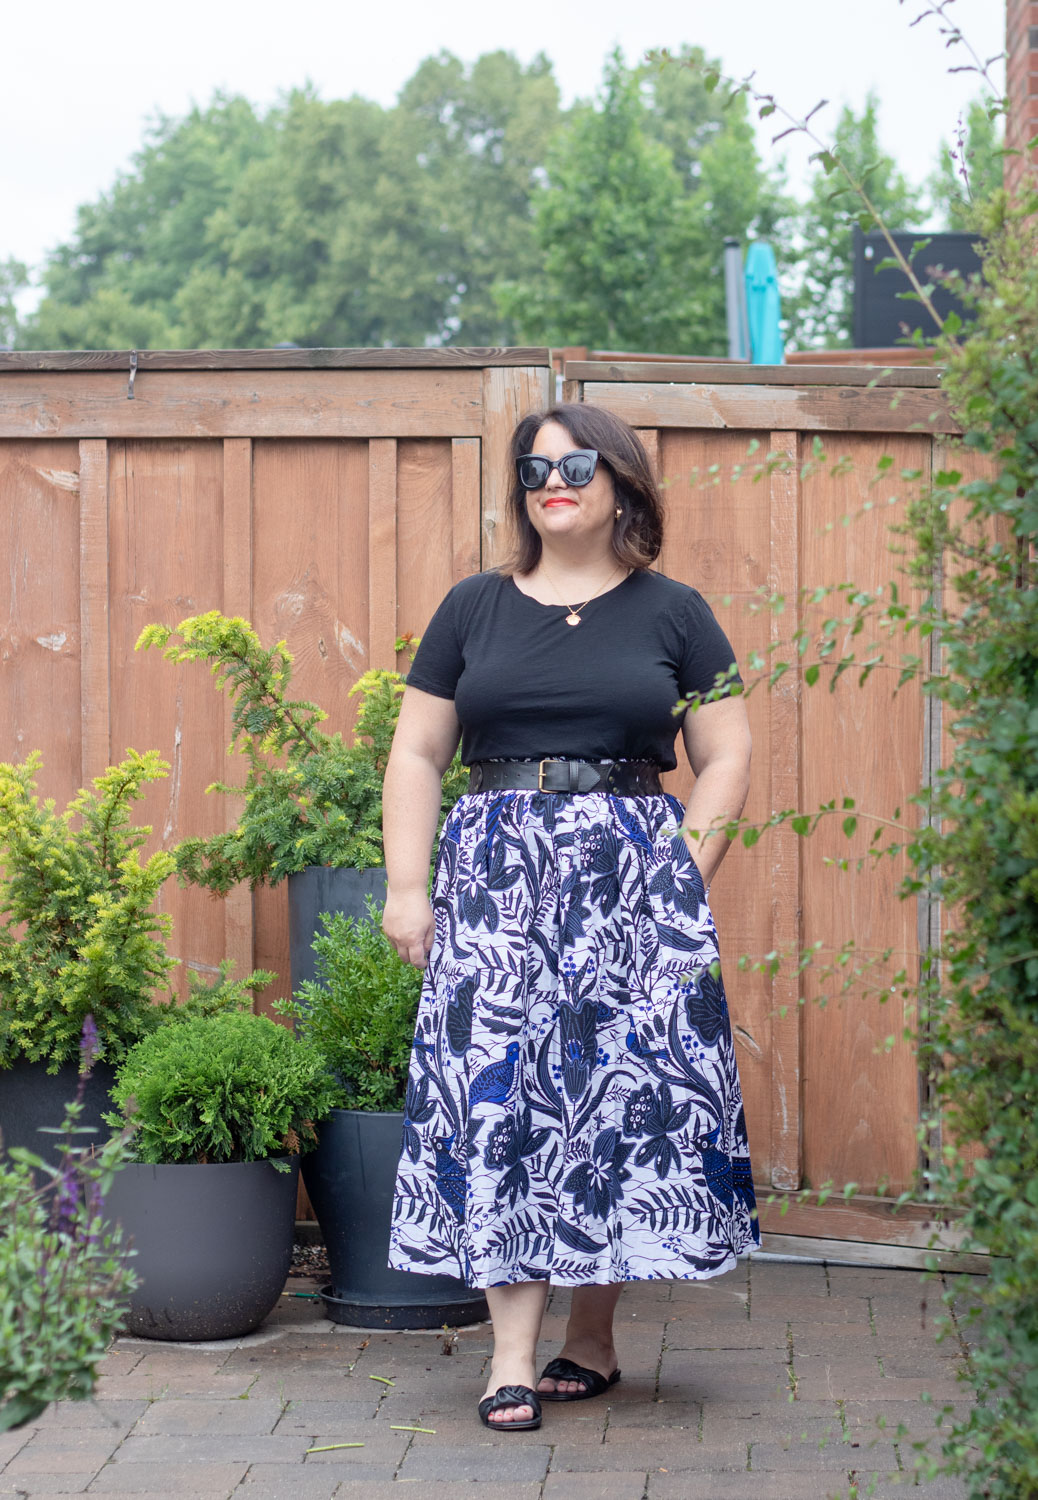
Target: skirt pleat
[(573, 1106)]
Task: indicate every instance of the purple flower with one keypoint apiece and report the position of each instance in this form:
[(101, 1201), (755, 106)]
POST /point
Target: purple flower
[(89, 1045)]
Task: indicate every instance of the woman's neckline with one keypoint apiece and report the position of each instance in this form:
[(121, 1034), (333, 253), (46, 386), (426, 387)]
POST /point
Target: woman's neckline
[(560, 605)]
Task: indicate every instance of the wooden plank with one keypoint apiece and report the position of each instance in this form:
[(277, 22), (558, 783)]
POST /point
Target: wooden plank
[(642, 372), (444, 358), (424, 541), (861, 1217), (778, 408), (95, 667), (310, 588), (507, 395), (717, 540), (39, 630), (465, 529), (895, 1257), (237, 600), (863, 742), (784, 846), (650, 440), (244, 403), (165, 527), (383, 626)]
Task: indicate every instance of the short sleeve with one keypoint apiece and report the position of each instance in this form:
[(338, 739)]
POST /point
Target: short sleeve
[(439, 661), (707, 651)]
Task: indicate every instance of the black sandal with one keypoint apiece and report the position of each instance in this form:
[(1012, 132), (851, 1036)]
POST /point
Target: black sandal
[(564, 1369), (510, 1395)]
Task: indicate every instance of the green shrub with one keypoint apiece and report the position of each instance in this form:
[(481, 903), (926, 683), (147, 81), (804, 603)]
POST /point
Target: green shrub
[(310, 798), (361, 1011), (64, 1274), (227, 1087), (79, 934)]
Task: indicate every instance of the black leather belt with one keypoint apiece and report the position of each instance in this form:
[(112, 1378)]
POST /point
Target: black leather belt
[(623, 778)]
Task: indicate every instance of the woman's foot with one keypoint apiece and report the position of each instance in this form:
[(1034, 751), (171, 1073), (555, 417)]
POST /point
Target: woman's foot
[(592, 1354), (510, 1372)]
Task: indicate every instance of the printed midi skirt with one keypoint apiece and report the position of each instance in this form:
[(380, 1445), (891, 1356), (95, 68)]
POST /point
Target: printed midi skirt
[(573, 1107)]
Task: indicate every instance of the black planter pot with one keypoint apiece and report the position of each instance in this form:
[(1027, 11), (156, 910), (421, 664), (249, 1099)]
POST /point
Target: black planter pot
[(213, 1245), (31, 1098), (317, 889), (350, 1181)]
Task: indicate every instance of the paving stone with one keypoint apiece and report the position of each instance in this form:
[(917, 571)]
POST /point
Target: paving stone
[(774, 1278), (718, 1485), (120, 1361), (184, 1481), (323, 1416), (287, 1385), (635, 1452), (180, 1415), (38, 1484), (661, 1415), (570, 1486), (435, 1490), (12, 1442), (811, 1337), (114, 1416), (741, 1333), (783, 1308), (381, 1447), (832, 1455), (516, 1461), (847, 1379), (56, 1452), (944, 1488), (268, 1482), (212, 1447)]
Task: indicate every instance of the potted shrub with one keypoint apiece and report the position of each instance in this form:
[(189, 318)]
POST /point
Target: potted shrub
[(220, 1107), (360, 1013), (313, 802), (78, 936), (64, 1274)]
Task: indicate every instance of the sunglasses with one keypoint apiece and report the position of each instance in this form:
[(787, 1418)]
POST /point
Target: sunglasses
[(576, 469)]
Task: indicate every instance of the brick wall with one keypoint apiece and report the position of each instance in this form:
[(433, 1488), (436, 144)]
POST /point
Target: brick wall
[(1021, 85)]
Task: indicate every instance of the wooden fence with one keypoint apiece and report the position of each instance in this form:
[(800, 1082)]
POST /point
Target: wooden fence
[(333, 496)]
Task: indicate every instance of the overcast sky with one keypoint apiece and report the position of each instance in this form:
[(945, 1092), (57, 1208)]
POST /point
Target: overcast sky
[(80, 81)]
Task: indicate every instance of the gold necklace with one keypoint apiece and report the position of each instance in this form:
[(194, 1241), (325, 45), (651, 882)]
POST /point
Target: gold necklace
[(573, 618)]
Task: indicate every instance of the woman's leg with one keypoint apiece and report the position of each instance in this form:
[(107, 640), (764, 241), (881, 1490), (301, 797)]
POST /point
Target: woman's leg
[(589, 1334), (516, 1312)]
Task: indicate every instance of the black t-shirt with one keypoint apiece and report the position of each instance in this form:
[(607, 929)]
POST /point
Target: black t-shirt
[(527, 685)]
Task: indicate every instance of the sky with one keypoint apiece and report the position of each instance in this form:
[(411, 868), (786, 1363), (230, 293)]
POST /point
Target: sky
[(81, 82)]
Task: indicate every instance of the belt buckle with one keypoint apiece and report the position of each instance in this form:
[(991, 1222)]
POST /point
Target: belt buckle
[(540, 773)]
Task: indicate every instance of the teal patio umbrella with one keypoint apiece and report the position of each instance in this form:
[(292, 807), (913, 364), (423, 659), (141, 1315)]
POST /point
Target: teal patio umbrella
[(762, 305)]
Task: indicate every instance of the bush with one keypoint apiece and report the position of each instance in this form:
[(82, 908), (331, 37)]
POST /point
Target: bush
[(361, 1011), (310, 798), (79, 933), (64, 1274), (227, 1087)]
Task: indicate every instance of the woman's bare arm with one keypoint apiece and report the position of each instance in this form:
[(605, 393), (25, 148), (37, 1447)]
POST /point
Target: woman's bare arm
[(426, 738), (717, 739)]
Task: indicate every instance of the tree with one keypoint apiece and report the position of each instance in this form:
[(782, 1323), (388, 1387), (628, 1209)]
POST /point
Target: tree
[(820, 309), (320, 223), (641, 191), (968, 175), (13, 278)]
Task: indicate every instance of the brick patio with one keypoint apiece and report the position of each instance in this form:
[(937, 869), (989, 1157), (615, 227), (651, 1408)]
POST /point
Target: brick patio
[(767, 1384)]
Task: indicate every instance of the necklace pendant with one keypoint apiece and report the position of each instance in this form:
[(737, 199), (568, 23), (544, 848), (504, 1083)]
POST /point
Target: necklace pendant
[(572, 618)]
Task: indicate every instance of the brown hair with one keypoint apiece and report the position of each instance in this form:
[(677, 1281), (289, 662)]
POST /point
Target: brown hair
[(638, 533)]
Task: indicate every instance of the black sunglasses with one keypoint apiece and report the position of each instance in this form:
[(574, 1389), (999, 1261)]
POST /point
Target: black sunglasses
[(577, 468)]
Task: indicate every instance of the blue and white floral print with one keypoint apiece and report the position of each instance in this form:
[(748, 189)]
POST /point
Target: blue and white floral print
[(573, 1111)]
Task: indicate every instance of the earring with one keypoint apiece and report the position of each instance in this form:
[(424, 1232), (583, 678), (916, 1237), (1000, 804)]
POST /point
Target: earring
[(618, 512)]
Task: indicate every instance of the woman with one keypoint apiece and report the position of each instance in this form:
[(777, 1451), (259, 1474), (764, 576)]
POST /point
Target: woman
[(573, 1111)]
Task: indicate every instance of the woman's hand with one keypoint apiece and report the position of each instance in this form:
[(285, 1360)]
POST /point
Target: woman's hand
[(409, 925), (426, 737)]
